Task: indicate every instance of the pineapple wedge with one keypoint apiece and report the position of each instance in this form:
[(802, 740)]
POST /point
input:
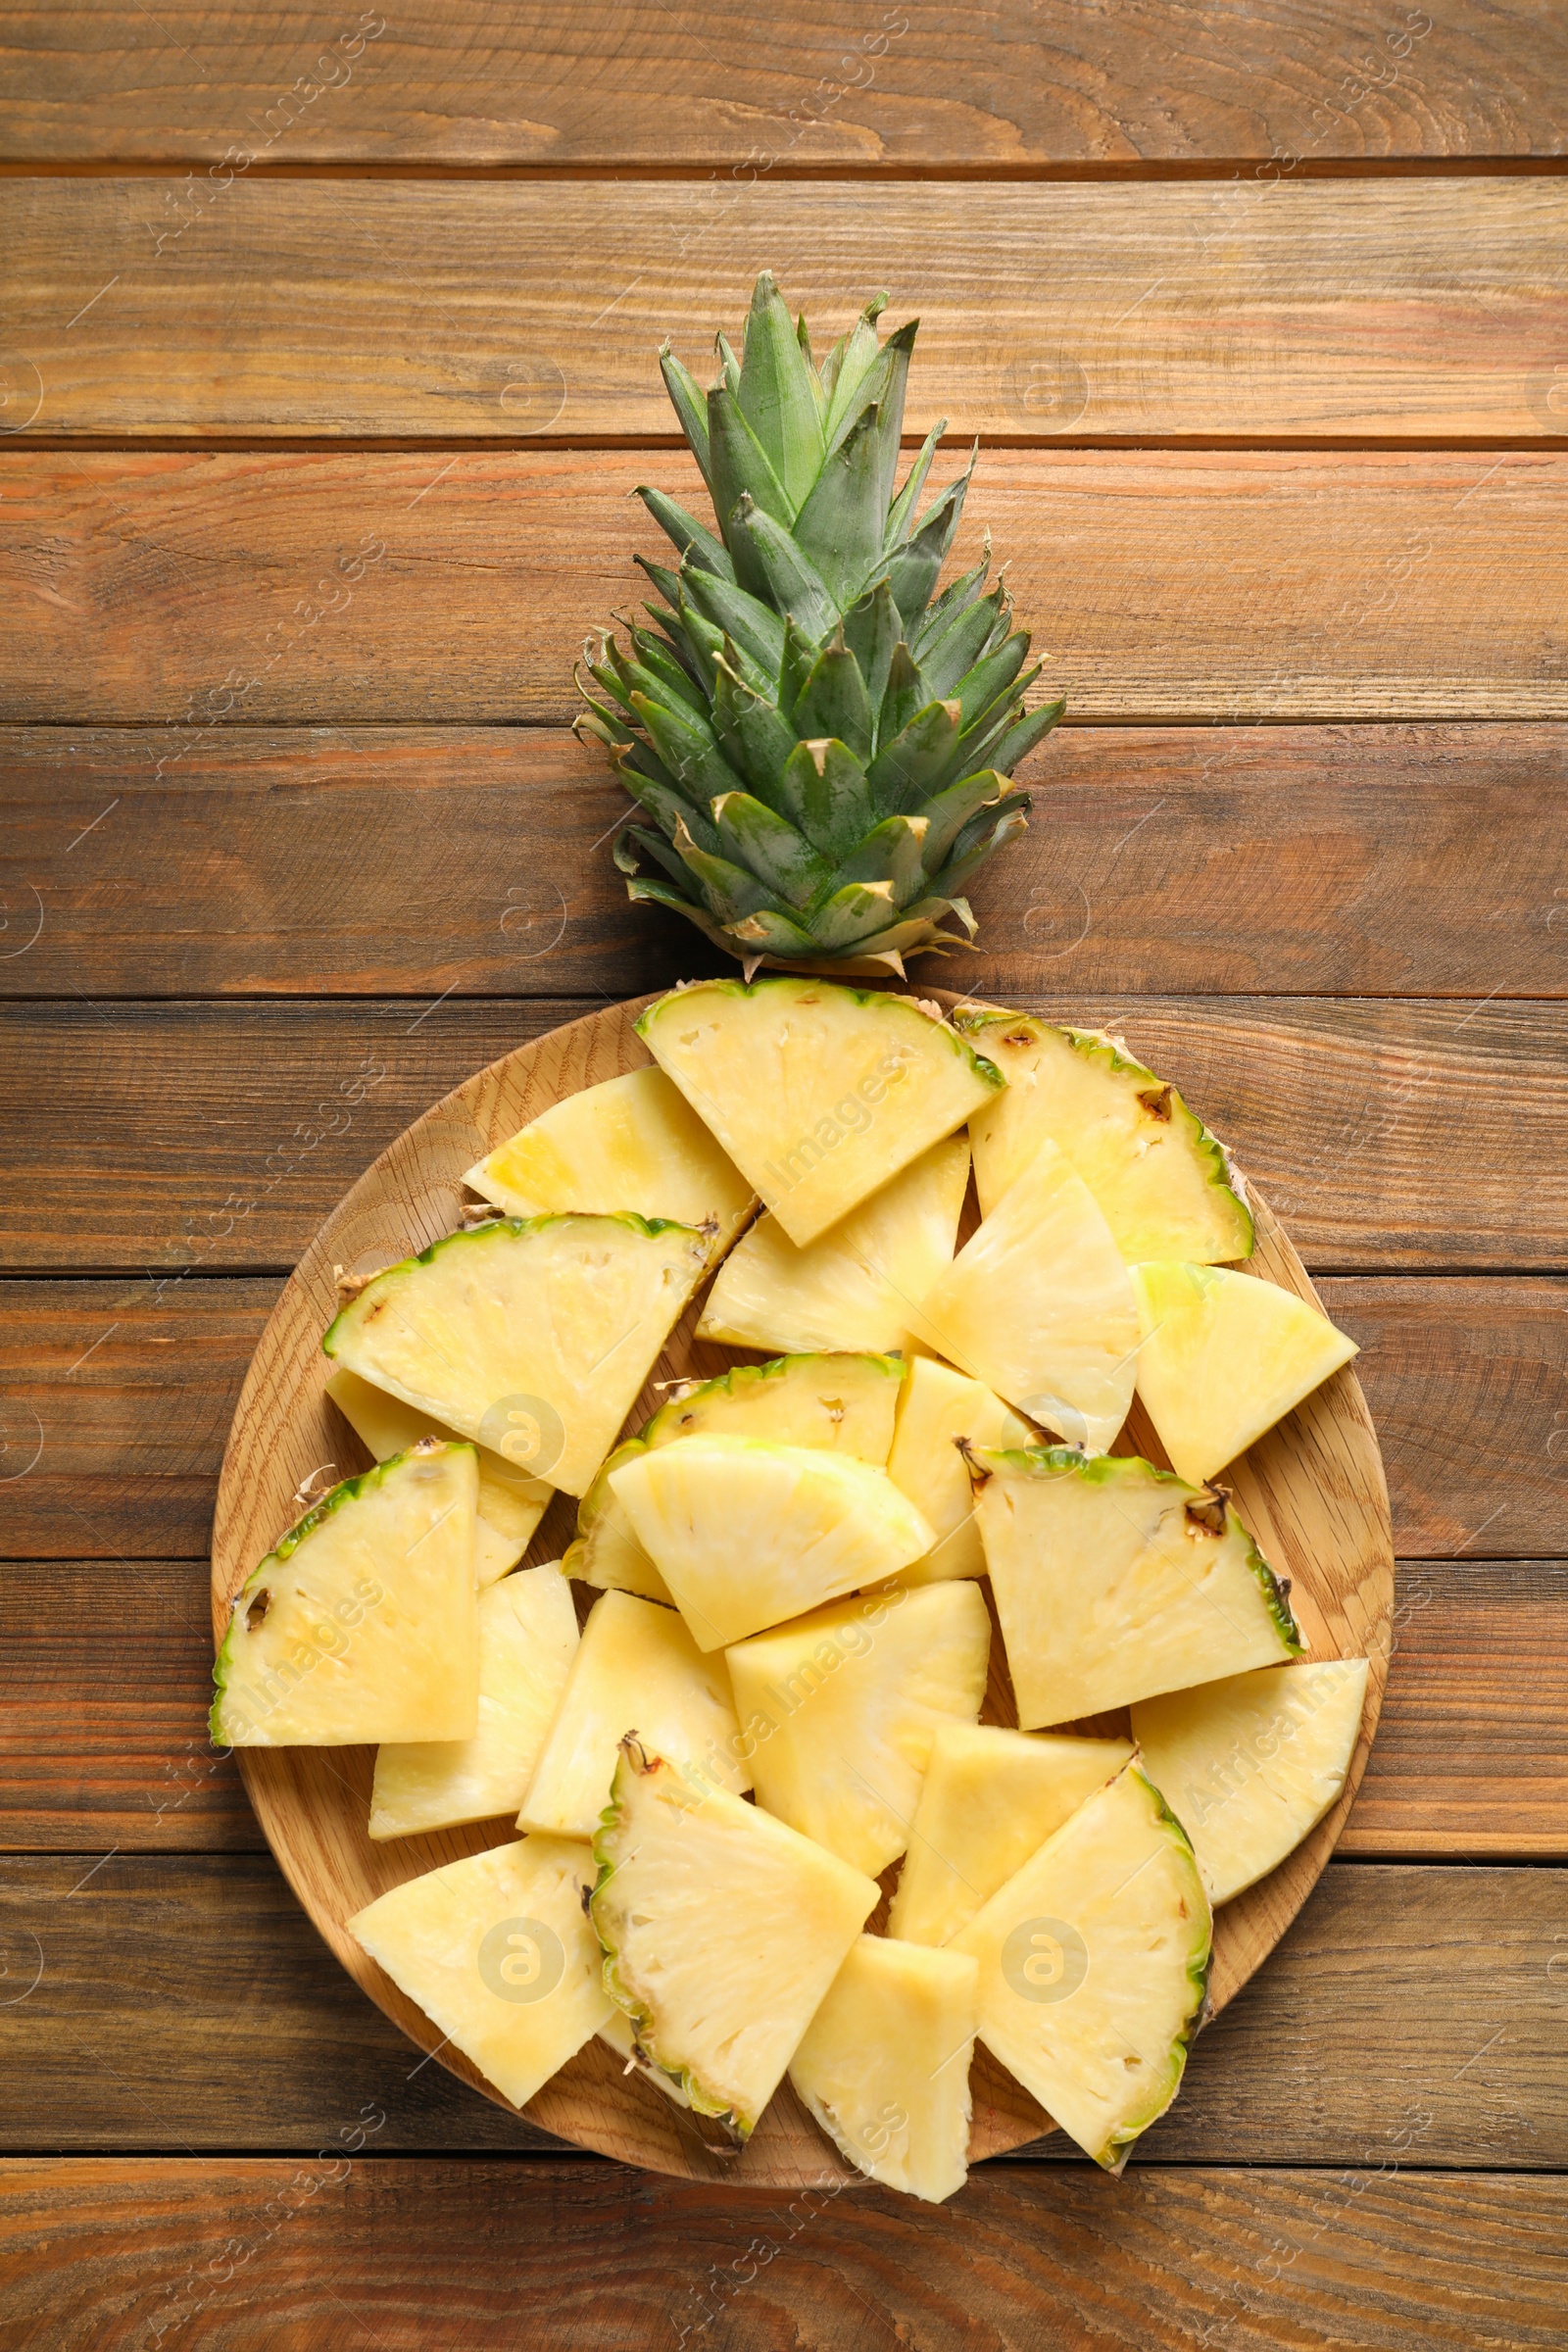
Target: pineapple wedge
[(361, 1623), (632, 1143), (1094, 1967), (637, 1670), (989, 1801), (837, 1403), (843, 1706), (940, 1409), (1248, 1765), (884, 2065), (528, 1636), (1224, 1356), (511, 1502), (1038, 1304), (1163, 1183), (496, 1951), (746, 1534), (1115, 1581), (722, 1929), (531, 1336), (859, 1285), (818, 1094)]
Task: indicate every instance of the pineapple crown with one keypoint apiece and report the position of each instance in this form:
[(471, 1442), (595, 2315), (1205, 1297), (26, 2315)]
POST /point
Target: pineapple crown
[(822, 742)]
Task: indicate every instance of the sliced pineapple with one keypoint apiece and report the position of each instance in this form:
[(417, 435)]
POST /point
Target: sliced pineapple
[(1224, 1356), (637, 1670), (511, 1502), (940, 1411), (1248, 1765), (1165, 1185), (1114, 1581), (361, 1623), (528, 1636), (722, 1928), (861, 1284), (632, 1143), (820, 1095), (837, 1403), (884, 2065), (746, 1534), (1038, 1305), (843, 1704), (496, 1951), (990, 1799), (1094, 1967), (531, 1336)]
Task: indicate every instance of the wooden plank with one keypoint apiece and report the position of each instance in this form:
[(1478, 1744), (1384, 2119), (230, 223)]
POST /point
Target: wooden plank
[(1281, 310), (1389, 1134), (854, 85), (110, 1676), (185, 2000), (405, 2254), (1467, 1381), (201, 589), (1338, 861)]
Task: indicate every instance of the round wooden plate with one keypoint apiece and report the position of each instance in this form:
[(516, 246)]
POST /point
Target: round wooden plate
[(1311, 1492)]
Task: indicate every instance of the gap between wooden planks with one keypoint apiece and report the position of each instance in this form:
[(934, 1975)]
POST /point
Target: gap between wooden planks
[(1373, 861), (283, 589), (187, 1999), (855, 85), (104, 1740), (405, 308)]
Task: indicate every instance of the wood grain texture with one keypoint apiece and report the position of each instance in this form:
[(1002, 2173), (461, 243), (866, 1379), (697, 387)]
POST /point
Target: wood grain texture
[(108, 1669), (1311, 1491), (852, 85), (198, 590), (1417, 308), (410, 2255), (1394, 1134), (185, 2001), (1376, 860)]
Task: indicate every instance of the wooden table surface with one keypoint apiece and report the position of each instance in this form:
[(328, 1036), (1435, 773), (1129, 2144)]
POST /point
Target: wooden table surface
[(1258, 310)]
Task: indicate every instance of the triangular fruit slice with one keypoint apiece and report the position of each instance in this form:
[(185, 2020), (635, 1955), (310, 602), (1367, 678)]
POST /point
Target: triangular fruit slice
[(527, 1638), (361, 1623), (820, 1095), (1115, 1581), (941, 1408), (1162, 1181), (632, 1143), (531, 1336), (747, 1535), (836, 1403), (637, 1670), (843, 1706), (723, 1929), (1094, 1967), (989, 1798), (511, 1502), (1224, 1356), (496, 1951), (884, 2065), (859, 1285), (1248, 1765), (1038, 1305)]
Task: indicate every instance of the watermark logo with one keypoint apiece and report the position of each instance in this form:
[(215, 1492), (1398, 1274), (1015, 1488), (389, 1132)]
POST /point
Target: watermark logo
[(1045, 1960), (522, 1960), (1048, 390), (526, 1432)]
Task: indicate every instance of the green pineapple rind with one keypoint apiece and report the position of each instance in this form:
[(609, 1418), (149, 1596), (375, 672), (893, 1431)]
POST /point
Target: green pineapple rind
[(1093, 1045), (347, 1491), (1106, 1469), (811, 625)]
